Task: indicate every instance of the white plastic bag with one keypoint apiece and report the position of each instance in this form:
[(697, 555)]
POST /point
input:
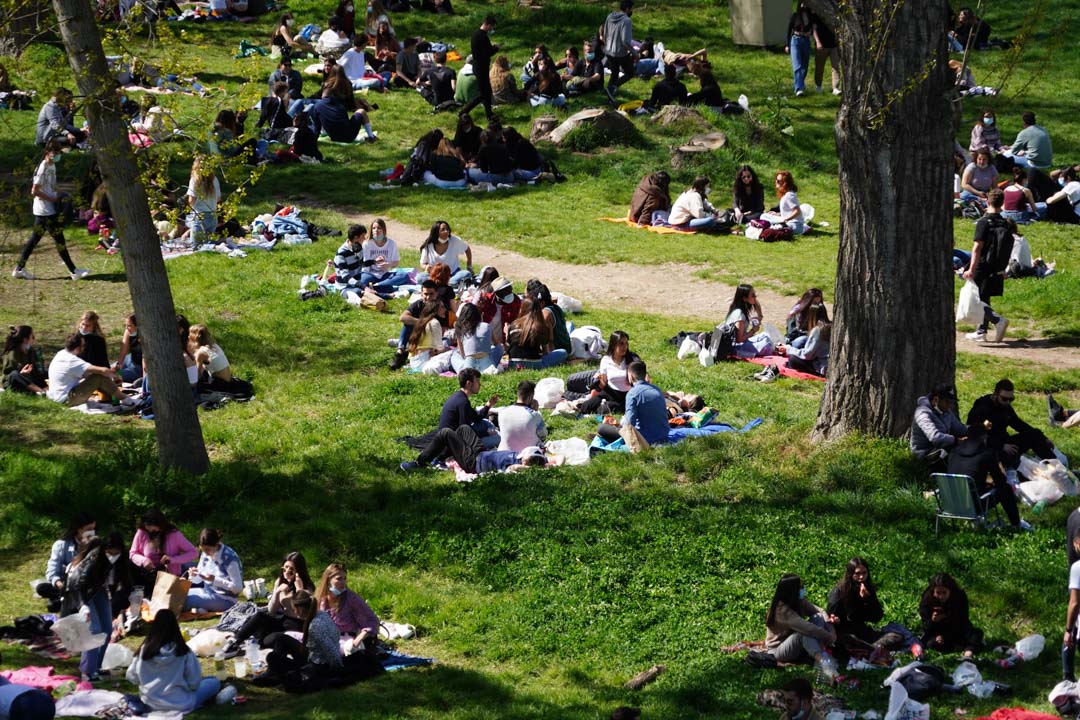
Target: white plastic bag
[(587, 343), (574, 450), (808, 212), (116, 656), (74, 633), (966, 674), (689, 347), (549, 392), (1030, 647), (567, 303), (970, 307), (208, 642), (1021, 252), (1044, 491), (705, 358)]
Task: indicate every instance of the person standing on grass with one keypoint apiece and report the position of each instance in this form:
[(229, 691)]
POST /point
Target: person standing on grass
[(616, 35), (482, 53), (47, 217), (989, 260), (800, 33)]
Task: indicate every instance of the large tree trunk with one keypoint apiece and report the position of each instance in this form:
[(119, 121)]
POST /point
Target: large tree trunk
[(179, 436), (894, 335)]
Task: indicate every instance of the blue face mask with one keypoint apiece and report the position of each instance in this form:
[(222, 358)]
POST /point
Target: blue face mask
[(590, 56), (335, 591), (56, 158), (988, 121), (802, 593), (1061, 181)]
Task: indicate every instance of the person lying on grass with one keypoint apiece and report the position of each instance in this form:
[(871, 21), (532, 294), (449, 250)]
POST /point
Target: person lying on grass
[(467, 449)]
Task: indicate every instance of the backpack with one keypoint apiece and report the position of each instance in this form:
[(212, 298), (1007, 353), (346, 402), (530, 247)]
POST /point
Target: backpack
[(722, 342), (418, 163), (923, 682), (999, 244)]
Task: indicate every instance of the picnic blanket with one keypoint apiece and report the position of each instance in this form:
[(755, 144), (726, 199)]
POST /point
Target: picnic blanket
[(48, 647), (659, 229), (676, 435), (780, 361), (395, 660)]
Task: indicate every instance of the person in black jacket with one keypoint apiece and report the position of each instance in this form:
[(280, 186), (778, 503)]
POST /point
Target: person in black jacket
[(482, 53), (945, 617), (995, 414), (974, 458), (668, 91)]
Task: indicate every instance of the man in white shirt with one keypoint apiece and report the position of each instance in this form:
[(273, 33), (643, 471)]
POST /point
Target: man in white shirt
[(72, 380), (521, 425), (47, 216)]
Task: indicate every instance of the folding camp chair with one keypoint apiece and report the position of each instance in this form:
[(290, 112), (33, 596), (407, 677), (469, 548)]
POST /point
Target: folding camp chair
[(957, 499)]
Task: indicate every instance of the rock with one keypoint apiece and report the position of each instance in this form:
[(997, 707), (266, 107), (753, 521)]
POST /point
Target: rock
[(696, 148), (603, 119), (677, 113), (710, 141), (542, 127)]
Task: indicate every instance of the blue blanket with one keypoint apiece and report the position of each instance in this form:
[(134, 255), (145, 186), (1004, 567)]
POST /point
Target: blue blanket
[(397, 660)]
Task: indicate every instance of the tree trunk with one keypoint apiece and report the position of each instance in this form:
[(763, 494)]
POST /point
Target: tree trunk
[(894, 337), (179, 436)]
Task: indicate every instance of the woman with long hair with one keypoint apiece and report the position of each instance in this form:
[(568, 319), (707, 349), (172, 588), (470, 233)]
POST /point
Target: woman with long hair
[(376, 14), (946, 619), (159, 545), (796, 630), (790, 213), (354, 618), (120, 581), (467, 138), (380, 257), (282, 613), (209, 356), (1019, 203), (745, 315), (692, 210), (80, 531), (530, 340), (474, 346), (493, 163), (218, 578), (22, 366), (442, 246), (84, 586), (129, 362), (748, 196), (285, 39), (504, 88), (167, 672), (813, 357), (203, 195), (798, 325), (426, 337), (447, 167), (854, 607), (604, 390), (94, 351), (317, 653)]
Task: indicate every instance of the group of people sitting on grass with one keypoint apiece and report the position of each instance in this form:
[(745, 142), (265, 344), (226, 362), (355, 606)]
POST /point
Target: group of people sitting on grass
[(495, 156), (651, 204), (987, 448), (1034, 189), (316, 633), (798, 631), (82, 370)]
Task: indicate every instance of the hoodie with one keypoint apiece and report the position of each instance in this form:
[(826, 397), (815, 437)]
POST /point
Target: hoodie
[(167, 681), (648, 198), (931, 429), (618, 33)]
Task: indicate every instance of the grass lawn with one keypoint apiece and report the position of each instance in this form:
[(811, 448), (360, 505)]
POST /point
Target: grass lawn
[(541, 593)]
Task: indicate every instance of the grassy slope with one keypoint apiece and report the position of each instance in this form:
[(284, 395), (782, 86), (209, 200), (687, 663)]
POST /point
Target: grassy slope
[(541, 592)]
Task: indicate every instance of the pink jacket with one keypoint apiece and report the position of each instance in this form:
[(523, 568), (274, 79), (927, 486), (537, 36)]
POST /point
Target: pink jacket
[(176, 546)]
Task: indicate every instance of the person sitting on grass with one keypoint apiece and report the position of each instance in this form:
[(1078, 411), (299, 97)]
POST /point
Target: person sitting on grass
[(119, 582), (429, 292), (72, 380), (813, 357), (333, 41), (355, 64), (468, 450), (798, 318), (316, 654), (1059, 415), (159, 545), (292, 79), (504, 88), (528, 163), (210, 360), (81, 530), (553, 315), (348, 262), (797, 631), (337, 114), (467, 138), (283, 612), (406, 65), (356, 622), (936, 428), (129, 362), (442, 246), (289, 44), (745, 314), (945, 618), (651, 202), (437, 84), (545, 88), (95, 351), (854, 606), (748, 195), (23, 369), (1059, 204), (604, 391), (219, 576), (447, 167), (995, 413), (521, 425), (790, 212), (493, 163), (692, 210), (380, 258), (167, 672), (979, 178), (426, 339), (646, 409), (668, 91), (799, 701), (474, 347), (530, 340)]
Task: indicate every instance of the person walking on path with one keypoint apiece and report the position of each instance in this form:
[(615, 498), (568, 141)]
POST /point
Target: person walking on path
[(47, 216)]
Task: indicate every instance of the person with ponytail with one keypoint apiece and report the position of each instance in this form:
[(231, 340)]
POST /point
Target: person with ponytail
[(23, 365), (218, 578), (796, 629)]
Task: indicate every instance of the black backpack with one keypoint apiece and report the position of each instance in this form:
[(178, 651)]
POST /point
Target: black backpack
[(998, 244), (923, 682), (722, 342)]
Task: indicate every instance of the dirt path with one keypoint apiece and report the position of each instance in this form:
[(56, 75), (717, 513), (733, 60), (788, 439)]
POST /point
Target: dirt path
[(673, 290)]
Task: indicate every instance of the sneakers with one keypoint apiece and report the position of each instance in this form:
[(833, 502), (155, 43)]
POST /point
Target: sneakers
[(1025, 525), (836, 91), (401, 359), (409, 465), (1055, 410), (999, 329), (22, 273), (79, 274), (819, 89), (232, 650), (976, 336), (392, 342), (769, 374), (800, 93)]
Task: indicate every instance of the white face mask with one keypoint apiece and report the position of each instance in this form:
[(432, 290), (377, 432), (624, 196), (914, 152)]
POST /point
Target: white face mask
[(289, 22), (89, 535), (707, 191), (348, 8), (113, 558)]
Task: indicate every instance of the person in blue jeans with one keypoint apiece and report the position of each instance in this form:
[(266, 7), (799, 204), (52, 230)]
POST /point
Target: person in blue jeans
[(167, 672), (85, 587), (692, 210), (218, 578), (646, 409), (800, 32), (530, 341)]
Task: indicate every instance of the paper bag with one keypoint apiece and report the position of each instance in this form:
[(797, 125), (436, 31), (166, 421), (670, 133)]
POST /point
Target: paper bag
[(170, 592)]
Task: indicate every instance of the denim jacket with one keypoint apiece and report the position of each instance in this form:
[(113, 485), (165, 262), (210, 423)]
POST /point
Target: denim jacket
[(227, 570)]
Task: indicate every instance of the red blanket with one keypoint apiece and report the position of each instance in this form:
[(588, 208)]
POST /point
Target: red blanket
[(1018, 714), (780, 361)]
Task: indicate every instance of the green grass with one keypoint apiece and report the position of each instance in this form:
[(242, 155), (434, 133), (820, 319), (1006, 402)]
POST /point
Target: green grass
[(539, 593)]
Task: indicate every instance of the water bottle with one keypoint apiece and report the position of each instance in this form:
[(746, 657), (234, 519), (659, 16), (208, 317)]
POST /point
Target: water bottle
[(219, 666), (1039, 507), (251, 652)]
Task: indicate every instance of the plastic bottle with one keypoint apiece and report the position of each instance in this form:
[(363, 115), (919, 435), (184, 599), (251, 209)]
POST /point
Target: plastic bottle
[(1039, 507), (219, 666), (251, 652)]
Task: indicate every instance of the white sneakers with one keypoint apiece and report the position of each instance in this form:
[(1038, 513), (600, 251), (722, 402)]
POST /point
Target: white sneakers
[(22, 273), (976, 336), (79, 274), (999, 329), (836, 91)]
